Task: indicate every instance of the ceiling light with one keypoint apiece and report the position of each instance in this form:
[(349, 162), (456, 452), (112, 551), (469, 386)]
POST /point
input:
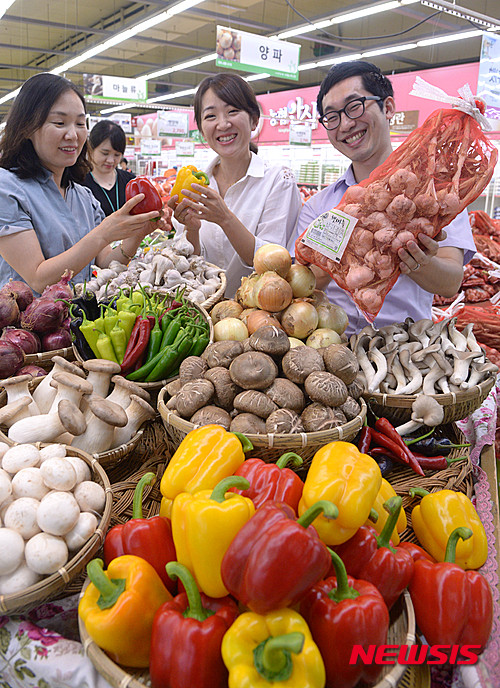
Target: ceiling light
[(187, 92), (386, 51), (463, 13), (449, 39), (180, 66), (4, 6)]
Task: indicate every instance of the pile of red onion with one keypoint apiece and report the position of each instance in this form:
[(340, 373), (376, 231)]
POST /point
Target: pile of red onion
[(30, 325)]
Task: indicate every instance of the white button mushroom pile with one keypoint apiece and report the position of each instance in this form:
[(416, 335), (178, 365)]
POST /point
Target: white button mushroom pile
[(169, 264), (75, 406), (49, 508)]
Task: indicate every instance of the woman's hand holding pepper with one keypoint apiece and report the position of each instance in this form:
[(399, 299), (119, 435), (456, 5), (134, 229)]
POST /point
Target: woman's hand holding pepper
[(122, 225), (184, 213), (208, 204)]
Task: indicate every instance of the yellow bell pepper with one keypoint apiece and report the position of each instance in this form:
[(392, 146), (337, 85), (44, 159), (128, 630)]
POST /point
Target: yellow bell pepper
[(187, 176), (386, 492), (203, 526), (340, 474), (203, 458), (438, 515), (272, 650), (118, 607)]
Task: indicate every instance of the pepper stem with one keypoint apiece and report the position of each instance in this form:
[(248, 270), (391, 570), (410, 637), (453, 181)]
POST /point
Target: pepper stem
[(195, 609), (451, 546), (418, 492), (219, 491), (373, 515), (289, 458), (328, 509), (343, 591), (147, 479), (272, 657), (412, 440), (393, 508), (245, 442), (110, 589)]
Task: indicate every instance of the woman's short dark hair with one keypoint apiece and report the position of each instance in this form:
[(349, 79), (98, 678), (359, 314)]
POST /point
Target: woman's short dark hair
[(28, 113), (372, 78), (107, 129), (230, 88)]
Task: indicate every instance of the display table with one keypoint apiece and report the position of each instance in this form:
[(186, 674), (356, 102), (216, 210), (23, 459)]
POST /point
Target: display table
[(42, 648)]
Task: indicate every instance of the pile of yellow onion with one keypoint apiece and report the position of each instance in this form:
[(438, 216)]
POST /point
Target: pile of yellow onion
[(282, 294)]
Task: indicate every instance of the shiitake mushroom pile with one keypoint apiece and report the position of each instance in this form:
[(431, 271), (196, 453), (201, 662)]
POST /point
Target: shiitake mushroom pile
[(263, 386)]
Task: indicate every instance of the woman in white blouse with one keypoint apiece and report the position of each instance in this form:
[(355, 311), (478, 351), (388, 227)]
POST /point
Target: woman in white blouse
[(248, 202)]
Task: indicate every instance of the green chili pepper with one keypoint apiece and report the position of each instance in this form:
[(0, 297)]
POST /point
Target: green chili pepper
[(199, 345), (118, 338), (170, 360), (155, 341), (141, 373), (105, 347)]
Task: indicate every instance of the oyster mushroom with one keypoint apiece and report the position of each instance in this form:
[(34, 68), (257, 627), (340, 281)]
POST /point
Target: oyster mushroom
[(425, 410), (461, 364)]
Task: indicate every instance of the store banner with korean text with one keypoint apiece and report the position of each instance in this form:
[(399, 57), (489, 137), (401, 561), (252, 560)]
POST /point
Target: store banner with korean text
[(114, 87), (488, 80), (249, 52)]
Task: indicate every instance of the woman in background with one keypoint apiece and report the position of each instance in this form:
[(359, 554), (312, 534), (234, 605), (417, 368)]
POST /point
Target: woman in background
[(49, 222), (107, 181), (249, 202)]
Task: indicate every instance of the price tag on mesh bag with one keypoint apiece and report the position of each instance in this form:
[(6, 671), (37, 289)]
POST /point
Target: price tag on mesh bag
[(329, 233)]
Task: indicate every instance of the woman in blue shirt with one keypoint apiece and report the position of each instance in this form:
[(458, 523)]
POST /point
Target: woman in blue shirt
[(48, 221)]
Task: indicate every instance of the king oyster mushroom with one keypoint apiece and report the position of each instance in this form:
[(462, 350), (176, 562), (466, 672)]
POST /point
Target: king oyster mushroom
[(98, 437)]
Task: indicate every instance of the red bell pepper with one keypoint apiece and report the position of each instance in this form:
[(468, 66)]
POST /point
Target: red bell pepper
[(151, 200), (187, 636), (452, 606), (272, 482), (374, 558), (415, 551), (149, 538), (275, 559), (342, 612)]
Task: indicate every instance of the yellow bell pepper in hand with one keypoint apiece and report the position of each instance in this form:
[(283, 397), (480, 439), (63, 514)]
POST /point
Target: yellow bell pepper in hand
[(386, 492), (187, 176), (438, 515), (203, 458), (272, 650), (340, 474), (118, 607), (203, 526)]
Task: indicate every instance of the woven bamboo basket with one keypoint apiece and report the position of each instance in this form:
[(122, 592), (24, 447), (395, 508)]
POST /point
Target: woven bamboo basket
[(155, 386), (107, 459), (401, 632), (53, 586), (44, 359), (270, 447), (456, 405)]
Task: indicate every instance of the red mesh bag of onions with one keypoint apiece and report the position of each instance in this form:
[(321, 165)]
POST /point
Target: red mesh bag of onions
[(440, 169)]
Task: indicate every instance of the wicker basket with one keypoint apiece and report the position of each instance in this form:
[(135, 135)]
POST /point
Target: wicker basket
[(270, 447), (154, 386), (52, 586), (456, 405), (44, 359), (401, 632)]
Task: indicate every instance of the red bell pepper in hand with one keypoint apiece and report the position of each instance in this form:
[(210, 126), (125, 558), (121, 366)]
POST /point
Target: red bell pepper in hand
[(151, 200), (374, 558), (342, 612), (271, 482), (187, 636), (149, 538), (275, 559), (452, 606)]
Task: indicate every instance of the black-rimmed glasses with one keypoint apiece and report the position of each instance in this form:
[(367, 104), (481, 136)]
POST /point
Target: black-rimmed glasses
[(354, 109)]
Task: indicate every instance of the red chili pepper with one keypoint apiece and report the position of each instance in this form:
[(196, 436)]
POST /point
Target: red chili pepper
[(149, 538), (374, 558), (403, 455), (383, 451), (365, 439), (151, 200), (187, 636), (271, 482), (452, 606), (275, 559), (341, 612), (435, 463), (385, 427), (137, 344)]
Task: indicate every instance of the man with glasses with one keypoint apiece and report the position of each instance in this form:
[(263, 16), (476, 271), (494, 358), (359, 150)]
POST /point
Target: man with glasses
[(355, 105)]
